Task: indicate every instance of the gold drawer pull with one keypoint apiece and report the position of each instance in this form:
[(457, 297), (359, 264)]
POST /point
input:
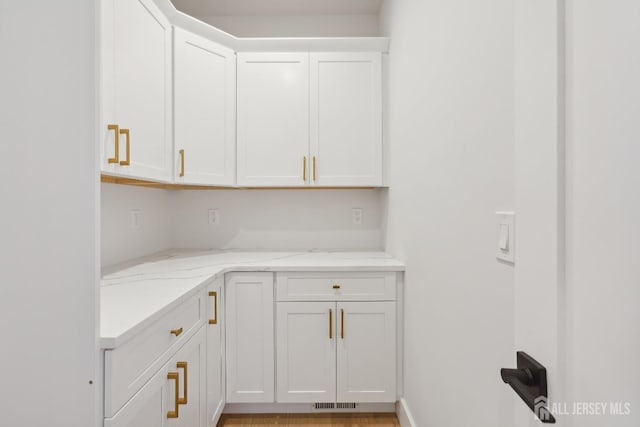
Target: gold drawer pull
[(127, 136), (176, 377), (215, 308), (342, 323), (183, 366), (116, 129), (336, 286), (176, 332), (330, 324), (181, 162)]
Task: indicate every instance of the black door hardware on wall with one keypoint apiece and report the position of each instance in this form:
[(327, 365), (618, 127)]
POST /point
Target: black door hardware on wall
[(529, 381)]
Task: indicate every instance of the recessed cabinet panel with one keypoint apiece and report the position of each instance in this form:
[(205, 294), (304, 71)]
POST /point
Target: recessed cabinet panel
[(306, 352), (346, 119), (366, 352), (250, 337), (204, 110), (273, 119), (136, 90)]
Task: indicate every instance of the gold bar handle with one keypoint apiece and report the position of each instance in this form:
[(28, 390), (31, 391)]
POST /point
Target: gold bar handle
[(183, 366), (127, 136), (116, 129), (314, 168), (176, 377), (215, 308), (330, 324), (304, 168), (182, 162), (336, 286), (176, 332), (342, 323)]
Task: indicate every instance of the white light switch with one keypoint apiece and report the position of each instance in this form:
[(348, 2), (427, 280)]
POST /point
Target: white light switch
[(503, 243), (506, 231)]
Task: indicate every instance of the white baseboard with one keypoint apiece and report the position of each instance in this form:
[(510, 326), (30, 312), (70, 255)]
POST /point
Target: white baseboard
[(290, 408), (404, 414)]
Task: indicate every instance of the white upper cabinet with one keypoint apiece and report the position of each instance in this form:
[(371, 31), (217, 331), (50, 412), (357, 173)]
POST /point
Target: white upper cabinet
[(346, 119), (310, 119), (135, 64), (273, 119), (204, 111)]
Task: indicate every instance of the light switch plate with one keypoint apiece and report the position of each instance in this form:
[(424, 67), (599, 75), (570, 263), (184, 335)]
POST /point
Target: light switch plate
[(505, 236)]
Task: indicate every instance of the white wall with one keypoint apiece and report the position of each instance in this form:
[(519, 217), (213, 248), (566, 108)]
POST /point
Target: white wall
[(450, 132), (278, 219), (296, 26), (248, 219), (603, 206), (49, 215), (122, 242)]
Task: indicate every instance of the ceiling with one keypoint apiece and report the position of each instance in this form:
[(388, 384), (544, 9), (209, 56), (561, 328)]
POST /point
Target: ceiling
[(277, 7)]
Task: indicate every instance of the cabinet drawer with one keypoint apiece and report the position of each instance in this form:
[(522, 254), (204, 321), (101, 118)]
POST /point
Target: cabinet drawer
[(129, 367), (338, 286)]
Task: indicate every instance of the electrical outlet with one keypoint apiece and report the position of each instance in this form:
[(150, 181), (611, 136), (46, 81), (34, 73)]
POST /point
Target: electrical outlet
[(213, 216), (356, 216), (135, 219)]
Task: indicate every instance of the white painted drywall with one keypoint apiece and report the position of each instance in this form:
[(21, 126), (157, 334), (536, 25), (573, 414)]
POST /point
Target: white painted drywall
[(120, 241), (296, 26), (278, 219), (450, 132), (248, 219), (48, 187), (603, 207)]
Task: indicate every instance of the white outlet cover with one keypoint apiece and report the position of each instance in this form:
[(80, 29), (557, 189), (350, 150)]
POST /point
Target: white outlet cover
[(505, 236), (213, 216), (135, 219), (356, 216)]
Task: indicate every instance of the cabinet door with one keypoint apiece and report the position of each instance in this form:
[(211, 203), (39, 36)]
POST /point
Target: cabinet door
[(346, 119), (204, 110), (306, 360), (190, 363), (215, 352), (249, 337), (273, 119), (148, 408), (136, 89), (366, 354)]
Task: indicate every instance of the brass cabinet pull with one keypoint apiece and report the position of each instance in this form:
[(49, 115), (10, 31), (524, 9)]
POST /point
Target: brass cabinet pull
[(336, 286), (304, 168), (330, 324), (215, 308), (183, 366), (127, 136), (176, 332), (342, 323), (176, 377), (314, 168), (116, 129), (182, 162)]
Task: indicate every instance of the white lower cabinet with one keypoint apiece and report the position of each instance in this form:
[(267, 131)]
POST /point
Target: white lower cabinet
[(215, 352), (334, 351), (249, 334), (174, 396)]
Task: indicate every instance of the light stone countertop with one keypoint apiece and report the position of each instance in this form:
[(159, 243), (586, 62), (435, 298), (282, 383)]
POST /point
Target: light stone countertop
[(136, 295)]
